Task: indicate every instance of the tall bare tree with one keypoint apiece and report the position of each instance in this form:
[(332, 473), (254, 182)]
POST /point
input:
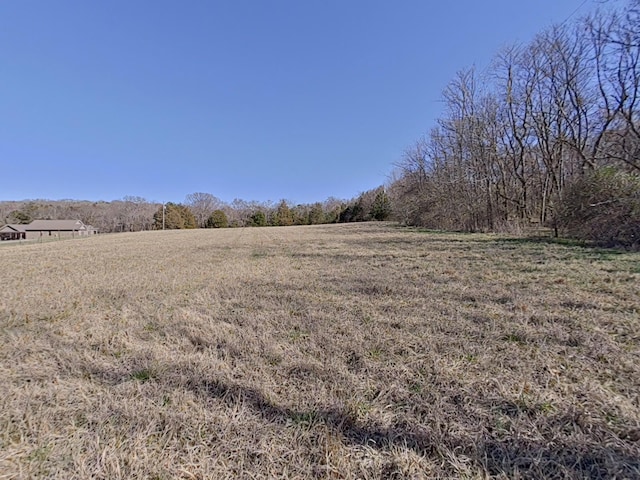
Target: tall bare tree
[(202, 205)]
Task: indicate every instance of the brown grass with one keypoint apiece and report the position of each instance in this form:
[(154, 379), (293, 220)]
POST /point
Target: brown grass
[(343, 351)]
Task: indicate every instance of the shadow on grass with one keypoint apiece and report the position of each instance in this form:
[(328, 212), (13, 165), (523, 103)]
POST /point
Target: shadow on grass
[(513, 457), (337, 420), (548, 240), (574, 445), (604, 252), (524, 239)]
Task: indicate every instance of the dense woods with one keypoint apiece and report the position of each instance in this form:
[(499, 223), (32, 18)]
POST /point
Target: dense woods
[(548, 135)]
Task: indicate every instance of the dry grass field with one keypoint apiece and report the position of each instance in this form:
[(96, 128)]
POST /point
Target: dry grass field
[(341, 351)]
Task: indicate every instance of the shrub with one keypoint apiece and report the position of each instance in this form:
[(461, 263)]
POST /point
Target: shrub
[(604, 207)]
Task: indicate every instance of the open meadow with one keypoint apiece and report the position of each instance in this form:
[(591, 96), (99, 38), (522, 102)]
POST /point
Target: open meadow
[(336, 351)]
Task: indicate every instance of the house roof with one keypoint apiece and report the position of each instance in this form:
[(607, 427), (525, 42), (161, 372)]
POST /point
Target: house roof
[(44, 225), (13, 227)]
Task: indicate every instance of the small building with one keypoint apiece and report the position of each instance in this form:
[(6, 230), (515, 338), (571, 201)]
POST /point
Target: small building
[(56, 228), (41, 229), (13, 232)]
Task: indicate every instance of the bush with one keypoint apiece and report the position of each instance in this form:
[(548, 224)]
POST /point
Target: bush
[(604, 207)]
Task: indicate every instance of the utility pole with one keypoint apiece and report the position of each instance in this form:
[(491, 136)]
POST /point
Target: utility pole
[(164, 209)]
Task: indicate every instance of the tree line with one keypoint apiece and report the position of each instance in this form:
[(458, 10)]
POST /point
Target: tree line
[(199, 210), (548, 135)]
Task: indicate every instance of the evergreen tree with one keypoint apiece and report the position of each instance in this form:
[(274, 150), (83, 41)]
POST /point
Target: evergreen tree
[(381, 208), (217, 219), (258, 219), (316, 214), (283, 216), (18, 216), (176, 216)]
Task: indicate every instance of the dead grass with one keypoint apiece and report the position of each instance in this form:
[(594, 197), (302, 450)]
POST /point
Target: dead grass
[(344, 351)]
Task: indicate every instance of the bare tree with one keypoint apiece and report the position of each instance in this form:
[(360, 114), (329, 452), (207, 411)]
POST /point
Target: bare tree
[(202, 204), (616, 47)]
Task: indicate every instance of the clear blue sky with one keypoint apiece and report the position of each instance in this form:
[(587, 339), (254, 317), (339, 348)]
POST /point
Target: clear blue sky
[(254, 99)]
